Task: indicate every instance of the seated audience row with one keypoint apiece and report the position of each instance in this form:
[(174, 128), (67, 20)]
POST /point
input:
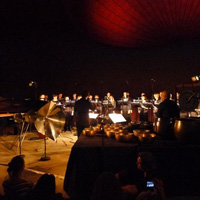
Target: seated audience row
[(17, 188)]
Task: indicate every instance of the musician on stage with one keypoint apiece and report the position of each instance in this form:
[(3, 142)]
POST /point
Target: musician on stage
[(125, 106), (177, 98), (167, 112), (73, 100), (97, 104), (74, 97), (60, 98), (109, 104), (55, 98), (113, 102), (90, 98), (79, 97), (67, 110), (96, 98), (42, 97), (144, 109), (156, 102), (46, 98), (107, 97), (81, 112), (156, 99)]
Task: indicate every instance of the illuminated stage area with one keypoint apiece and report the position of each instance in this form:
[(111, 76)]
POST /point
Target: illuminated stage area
[(33, 149)]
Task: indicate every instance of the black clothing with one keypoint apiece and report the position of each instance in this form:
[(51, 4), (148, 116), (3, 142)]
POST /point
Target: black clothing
[(67, 110), (143, 112), (167, 112), (168, 109), (16, 189), (125, 107), (81, 110)]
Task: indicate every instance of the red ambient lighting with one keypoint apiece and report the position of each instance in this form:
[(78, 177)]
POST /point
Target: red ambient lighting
[(133, 23)]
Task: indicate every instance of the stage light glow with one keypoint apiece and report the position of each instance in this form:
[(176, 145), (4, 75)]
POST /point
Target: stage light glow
[(195, 78)]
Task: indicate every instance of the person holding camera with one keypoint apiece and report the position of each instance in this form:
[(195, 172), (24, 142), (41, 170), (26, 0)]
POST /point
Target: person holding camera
[(142, 181)]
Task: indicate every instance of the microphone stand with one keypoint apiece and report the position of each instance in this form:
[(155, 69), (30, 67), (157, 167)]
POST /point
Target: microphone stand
[(152, 88)]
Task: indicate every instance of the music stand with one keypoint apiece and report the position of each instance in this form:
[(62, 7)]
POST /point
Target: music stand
[(123, 103), (116, 118), (107, 105), (93, 115)]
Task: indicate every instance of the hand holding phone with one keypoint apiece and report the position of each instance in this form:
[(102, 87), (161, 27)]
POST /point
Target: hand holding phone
[(150, 186)]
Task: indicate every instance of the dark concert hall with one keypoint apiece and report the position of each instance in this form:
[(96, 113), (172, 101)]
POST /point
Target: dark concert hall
[(101, 97)]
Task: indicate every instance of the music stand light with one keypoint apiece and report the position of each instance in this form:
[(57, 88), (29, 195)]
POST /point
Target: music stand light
[(93, 115), (116, 118)]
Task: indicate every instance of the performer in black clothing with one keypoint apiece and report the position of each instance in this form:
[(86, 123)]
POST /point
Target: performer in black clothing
[(167, 112), (144, 109), (81, 111), (125, 106), (67, 110)]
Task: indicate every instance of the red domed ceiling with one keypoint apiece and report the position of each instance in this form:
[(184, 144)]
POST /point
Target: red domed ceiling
[(135, 23)]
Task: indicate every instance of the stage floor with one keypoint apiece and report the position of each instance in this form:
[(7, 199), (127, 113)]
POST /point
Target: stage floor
[(33, 149)]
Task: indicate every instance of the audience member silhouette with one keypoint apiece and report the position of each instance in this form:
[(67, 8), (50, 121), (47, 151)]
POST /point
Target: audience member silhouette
[(45, 189), (133, 182), (107, 187), (15, 187)]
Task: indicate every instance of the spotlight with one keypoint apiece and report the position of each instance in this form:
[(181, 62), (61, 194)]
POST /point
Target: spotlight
[(196, 78)]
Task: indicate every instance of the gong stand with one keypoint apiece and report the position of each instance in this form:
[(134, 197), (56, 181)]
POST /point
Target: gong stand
[(18, 138), (21, 134), (45, 158)]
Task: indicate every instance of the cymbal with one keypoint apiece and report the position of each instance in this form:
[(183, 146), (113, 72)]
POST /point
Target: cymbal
[(50, 120)]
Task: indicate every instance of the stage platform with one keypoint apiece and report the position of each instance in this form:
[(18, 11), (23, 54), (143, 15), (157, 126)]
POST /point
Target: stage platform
[(33, 150)]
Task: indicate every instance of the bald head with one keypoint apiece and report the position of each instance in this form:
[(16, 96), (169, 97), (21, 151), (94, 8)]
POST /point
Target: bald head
[(164, 95)]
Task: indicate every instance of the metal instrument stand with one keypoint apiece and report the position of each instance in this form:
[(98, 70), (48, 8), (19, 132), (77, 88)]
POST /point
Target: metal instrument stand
[(21, 136), (45, 158)]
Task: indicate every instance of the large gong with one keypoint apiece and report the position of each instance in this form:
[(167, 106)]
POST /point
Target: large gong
[(188, 100)]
